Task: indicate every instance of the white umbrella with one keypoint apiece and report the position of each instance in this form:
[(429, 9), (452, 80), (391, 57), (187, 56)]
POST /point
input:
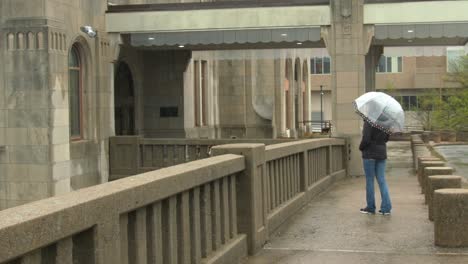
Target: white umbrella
[(381, 111)]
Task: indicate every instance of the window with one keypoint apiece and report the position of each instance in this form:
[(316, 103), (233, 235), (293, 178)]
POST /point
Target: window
[(408, 102), (453, 55), (390, 64), (320, 65), (75, 93)]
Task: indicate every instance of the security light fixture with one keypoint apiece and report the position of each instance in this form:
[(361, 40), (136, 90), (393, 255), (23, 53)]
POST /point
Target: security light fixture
[(88, 30), (299, 43), (284, 35), (410, 31), (150, 38), (181, 46)]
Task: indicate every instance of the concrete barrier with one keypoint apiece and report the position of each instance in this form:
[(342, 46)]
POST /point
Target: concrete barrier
[(462, 136), (420, 150), (426, 136), (430, 171), (435, 136), (421, 159), (451, 217), (440, 182), (421, 168), (448, 136)]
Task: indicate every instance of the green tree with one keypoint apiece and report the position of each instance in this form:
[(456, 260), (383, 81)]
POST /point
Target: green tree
[(428, 103), (452, 110)]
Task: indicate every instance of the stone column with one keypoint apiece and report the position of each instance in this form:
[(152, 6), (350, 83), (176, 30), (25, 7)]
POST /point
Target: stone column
[(252, 218), (291, 111), (300, 100), (279, 119), (306, 75), (348, 41), (372, 60)]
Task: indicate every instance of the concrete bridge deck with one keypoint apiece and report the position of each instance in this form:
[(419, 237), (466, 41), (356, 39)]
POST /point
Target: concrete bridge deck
[(331, 230)]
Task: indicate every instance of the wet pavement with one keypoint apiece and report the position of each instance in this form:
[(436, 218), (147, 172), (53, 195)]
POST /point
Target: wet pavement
[(456, 156), (330, 229)]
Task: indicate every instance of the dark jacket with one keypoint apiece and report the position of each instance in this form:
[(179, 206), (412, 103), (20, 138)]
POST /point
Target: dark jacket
[(373, 143)]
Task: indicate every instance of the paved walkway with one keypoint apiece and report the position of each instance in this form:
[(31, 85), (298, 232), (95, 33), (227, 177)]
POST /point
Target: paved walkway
[(331, 230)]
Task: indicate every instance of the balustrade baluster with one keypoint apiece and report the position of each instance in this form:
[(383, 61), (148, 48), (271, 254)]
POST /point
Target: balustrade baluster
[(195, 229), (206, 220), (183, 223), (216, 214)]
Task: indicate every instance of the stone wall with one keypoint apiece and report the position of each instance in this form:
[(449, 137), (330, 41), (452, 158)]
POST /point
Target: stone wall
[(164, 87)]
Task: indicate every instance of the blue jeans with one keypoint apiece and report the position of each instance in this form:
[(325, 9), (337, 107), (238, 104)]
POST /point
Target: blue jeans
[(376, 168)]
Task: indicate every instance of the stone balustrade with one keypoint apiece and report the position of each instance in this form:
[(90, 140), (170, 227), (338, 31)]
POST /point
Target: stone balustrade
[(181, 214), (282, 178), (131, 155), (214, 210)]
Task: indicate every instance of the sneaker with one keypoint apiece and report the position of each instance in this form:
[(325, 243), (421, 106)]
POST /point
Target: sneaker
[(366, 211), (384, 213)]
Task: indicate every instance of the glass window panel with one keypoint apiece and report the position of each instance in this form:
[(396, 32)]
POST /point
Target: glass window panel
[(381, 66), (326, 65), (318, 65), (75, 120), (405, 102), (413, 102), (389, 64), (400, 64), (73, 60), (312, 66), (453, 55)]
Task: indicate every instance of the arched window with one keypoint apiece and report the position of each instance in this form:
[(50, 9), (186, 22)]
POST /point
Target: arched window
[(75, 71)]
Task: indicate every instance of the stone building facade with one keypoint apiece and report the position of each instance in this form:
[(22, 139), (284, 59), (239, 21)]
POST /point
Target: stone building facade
[(39, 159)]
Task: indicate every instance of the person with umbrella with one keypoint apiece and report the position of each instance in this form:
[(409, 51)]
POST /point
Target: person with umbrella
[(382, 116)]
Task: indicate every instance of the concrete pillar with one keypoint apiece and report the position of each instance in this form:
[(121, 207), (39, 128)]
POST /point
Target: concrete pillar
[(422, 159), (279, 119), (299, 95), (430, 171), (440, 182), (251, 215), (451, 219), (306, 77), (423, 164), (348, 41), (372, 60), (290, 110)]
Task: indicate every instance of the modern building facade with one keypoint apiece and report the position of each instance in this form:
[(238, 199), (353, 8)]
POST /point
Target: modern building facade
[(185, 70), (408, 73)]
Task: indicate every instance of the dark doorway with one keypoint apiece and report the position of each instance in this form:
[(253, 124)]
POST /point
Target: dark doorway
[(124, 101)]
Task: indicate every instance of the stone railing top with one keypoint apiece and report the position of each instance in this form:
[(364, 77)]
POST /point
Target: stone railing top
[(172, 141), (277, 151), (35, 225), (454, 191)]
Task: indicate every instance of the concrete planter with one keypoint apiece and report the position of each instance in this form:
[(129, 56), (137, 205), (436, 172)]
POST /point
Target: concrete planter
[(437, 182), (435, 136), (426, 136), (448, 136), (462, 136), (451, 217)]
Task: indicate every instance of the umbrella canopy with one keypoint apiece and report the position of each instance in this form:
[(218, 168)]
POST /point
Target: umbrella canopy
[(381, 111)]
